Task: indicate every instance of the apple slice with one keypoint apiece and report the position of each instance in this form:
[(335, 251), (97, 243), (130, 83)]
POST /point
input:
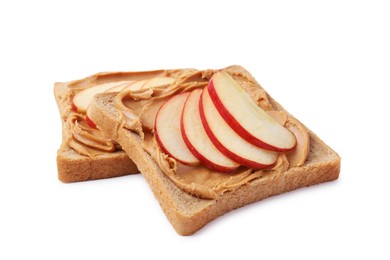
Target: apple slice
[(228, 141), (246, 118), (197, 140), (168, 132), (158, 81), (82, 99)]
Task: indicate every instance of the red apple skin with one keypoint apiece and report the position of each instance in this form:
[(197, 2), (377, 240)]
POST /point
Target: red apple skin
[(236, 126), (74, 107), (90, 122), (209, 164), (160, 143), (226, 152)]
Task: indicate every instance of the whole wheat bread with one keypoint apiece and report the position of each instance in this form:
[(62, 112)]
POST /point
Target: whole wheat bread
[(72, 166), (187, 213)]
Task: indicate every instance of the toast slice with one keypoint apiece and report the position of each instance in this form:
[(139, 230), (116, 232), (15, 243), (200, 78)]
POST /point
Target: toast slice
[(188, 213), (73, 166)]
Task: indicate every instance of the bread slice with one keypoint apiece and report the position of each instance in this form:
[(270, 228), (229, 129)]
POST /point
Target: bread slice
[(72, 166), (187, 213)]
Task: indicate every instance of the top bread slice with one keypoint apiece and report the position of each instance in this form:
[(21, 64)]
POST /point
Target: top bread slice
[(188, 213), (74, 167)]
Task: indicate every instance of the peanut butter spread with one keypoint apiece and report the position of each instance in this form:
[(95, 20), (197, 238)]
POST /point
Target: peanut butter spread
[(87, 140), (138, 111)]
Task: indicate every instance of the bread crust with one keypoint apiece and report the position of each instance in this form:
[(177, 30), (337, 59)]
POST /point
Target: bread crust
[(73, 167), (187, 213)]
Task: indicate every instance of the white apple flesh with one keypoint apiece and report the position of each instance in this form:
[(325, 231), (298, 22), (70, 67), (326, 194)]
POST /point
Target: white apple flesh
[(168, 130), (228, 141), (197, 140), (245, 117)]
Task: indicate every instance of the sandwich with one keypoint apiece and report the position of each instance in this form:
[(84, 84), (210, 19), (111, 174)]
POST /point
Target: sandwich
[(86, 152), (212, 141)]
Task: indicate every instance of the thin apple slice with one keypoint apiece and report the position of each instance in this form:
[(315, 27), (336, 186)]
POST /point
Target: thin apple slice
[(82, 99), (246, 118), (168, 132), (158, 81), (228, 141), (197, 140)]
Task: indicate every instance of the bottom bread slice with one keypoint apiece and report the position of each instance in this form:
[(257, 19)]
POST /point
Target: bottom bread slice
[(74, 167), (187, 213)]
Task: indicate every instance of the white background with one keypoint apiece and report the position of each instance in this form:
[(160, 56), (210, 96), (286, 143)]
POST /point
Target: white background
[(327, 62)]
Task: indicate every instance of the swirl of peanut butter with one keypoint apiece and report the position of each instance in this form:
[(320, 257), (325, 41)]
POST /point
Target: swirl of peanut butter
[(87, 140), (138, 110)]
